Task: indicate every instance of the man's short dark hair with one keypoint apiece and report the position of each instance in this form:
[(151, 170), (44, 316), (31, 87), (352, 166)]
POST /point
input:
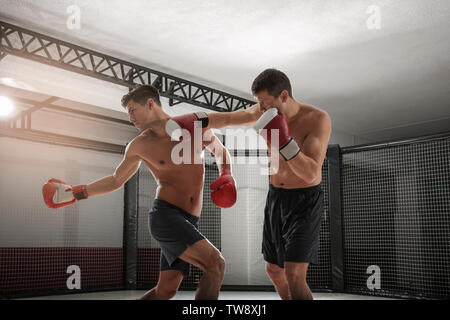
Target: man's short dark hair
[(141, 94), (272, 80)]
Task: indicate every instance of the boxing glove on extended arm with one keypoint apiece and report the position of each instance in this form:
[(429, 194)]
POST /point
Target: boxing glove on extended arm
[(175, 125), (58, 193)]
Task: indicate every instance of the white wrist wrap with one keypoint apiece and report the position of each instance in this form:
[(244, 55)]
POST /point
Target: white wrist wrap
[(290, 150)]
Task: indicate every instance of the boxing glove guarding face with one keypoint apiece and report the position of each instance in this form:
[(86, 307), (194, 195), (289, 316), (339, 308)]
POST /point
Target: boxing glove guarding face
[(273, 122)]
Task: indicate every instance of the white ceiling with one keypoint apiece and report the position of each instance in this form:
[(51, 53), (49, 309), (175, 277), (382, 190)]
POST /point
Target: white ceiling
[(380, 84)]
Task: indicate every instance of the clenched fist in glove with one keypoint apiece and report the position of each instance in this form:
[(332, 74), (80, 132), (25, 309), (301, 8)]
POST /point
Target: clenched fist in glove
[(272, 120), (224, 194), (58, 193)]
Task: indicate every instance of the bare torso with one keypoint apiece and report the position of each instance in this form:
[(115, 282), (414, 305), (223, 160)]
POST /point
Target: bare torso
[(299, 127), (178, 184)]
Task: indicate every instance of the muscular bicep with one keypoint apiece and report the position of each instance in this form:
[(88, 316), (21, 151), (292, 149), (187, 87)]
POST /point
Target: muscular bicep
[(128, 167), (315, 144)]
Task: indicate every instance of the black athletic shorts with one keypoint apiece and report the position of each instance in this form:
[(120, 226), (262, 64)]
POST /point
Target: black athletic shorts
[(173, 229), (292, 219)]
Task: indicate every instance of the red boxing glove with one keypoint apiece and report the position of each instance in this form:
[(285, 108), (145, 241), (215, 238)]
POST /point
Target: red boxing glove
[(58, 193), (224, 194), (175, 125), (272, 120)]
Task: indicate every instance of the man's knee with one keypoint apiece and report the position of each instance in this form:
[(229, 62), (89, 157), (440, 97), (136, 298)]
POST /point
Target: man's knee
[(215, 264), (274, 271), (296, 272)]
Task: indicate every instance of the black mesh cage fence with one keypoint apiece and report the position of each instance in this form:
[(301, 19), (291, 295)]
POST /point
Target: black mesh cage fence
[(396, 220), (385, 230), (319, 276), (69, 250)]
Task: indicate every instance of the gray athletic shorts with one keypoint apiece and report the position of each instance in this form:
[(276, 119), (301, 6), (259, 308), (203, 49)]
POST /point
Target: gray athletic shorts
[(174, 229)]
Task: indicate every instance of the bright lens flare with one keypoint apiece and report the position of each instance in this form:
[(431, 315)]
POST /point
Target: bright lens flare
[(6, 106)]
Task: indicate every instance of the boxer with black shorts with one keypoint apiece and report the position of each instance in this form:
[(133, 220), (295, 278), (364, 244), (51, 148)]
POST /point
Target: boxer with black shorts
[(173, 219), (294, 205)]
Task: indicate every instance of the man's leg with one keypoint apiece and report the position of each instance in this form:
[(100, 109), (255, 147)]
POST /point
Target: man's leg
[(206, 257), (167, 287), (278, 277), (296, 280)]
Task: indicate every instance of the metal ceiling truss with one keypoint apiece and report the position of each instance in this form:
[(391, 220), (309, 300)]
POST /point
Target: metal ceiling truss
[(34, 46), (20, 127)]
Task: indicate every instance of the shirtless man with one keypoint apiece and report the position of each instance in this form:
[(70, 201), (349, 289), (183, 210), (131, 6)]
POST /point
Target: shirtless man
[(173, 219), (294, 205)]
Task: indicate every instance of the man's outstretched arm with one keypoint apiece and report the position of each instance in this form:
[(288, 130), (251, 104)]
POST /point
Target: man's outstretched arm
[(58, 193), (215, 120), (126, 169), (244, 117)]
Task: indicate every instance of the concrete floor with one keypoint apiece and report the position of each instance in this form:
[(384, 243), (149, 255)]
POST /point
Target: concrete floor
[(189, 295)]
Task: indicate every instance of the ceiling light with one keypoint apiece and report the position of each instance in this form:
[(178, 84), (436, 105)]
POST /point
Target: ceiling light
[(6, 106)]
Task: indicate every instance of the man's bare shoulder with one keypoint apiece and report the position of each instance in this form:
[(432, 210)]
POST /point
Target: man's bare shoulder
[(314, 114), (135, 146), (311, 121)]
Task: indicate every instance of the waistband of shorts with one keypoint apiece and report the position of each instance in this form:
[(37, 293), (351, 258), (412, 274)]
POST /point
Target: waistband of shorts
[(161, 204), (316, 188)]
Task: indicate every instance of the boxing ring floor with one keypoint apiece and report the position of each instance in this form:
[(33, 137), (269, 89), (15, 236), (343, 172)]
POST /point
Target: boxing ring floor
[(190, 295)]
